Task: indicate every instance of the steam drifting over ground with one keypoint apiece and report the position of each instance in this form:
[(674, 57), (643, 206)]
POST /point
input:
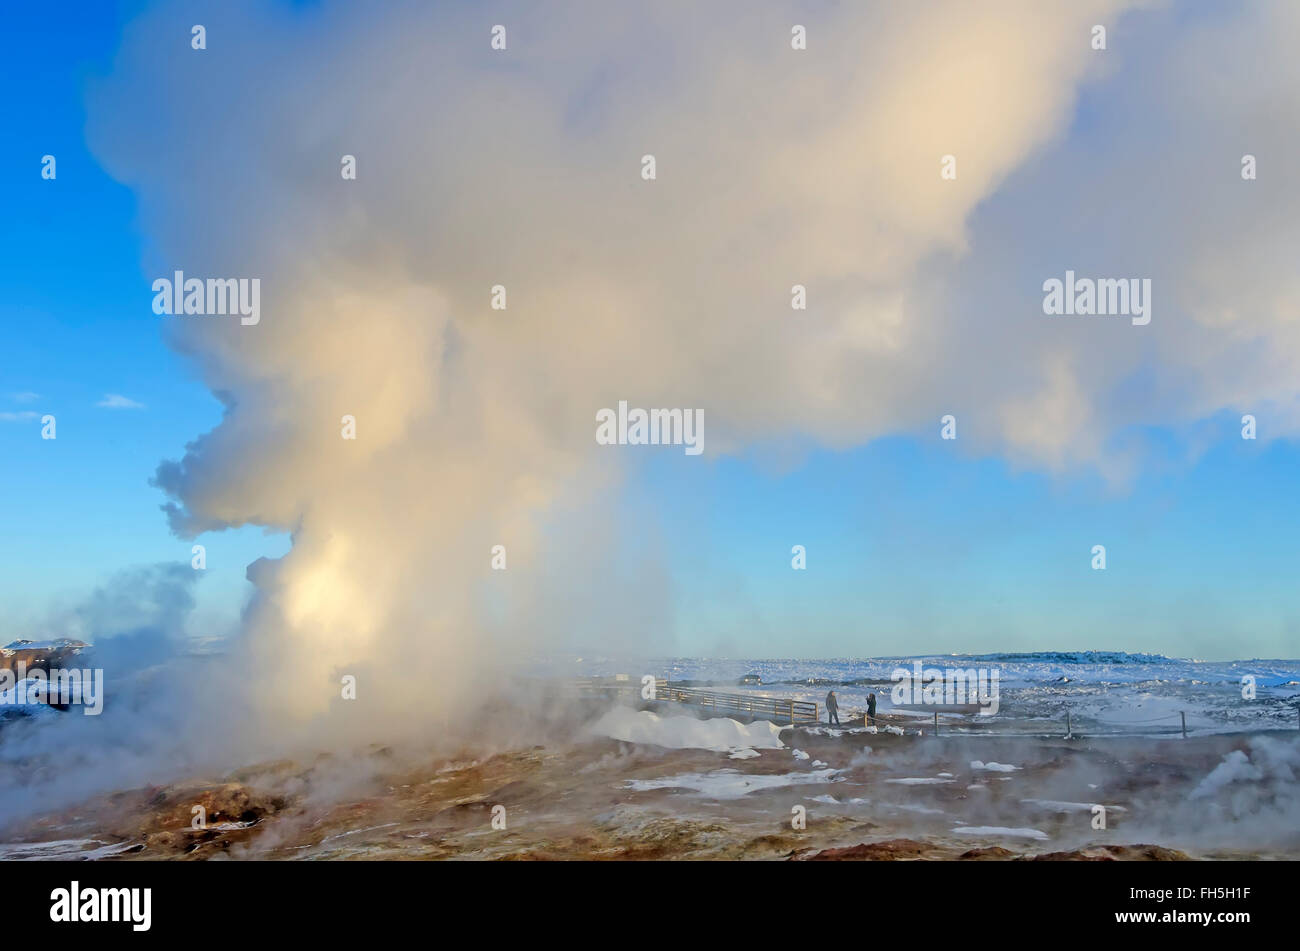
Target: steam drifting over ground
[(474, 170), (475, 426)]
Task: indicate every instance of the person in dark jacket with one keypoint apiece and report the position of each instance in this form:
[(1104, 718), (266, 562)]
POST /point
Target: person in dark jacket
[(832, 709), (871, 709)]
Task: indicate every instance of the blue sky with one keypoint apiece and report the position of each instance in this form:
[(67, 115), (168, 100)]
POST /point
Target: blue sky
[(913, 547), (913, 544), (77, 326)]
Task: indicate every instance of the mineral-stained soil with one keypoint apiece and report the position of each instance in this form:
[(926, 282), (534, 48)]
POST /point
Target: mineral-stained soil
[(856, 796)]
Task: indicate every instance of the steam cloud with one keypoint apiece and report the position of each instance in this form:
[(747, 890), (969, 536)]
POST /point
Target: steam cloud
[(775, 167)]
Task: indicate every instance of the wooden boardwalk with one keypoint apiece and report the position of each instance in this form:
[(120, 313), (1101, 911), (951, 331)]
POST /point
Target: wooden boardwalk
[(711, 703)]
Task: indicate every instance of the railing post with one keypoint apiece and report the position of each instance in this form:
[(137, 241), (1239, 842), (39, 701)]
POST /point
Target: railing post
[(936, 723), (1184, 716)]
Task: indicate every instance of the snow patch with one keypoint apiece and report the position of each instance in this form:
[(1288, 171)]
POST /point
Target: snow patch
[(1001, 831), (730, 783), (687, 733), (993, 767), (61, 850), (1057, 805), (919, 781)]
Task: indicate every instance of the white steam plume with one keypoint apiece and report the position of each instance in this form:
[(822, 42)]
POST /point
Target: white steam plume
[(521, 168)]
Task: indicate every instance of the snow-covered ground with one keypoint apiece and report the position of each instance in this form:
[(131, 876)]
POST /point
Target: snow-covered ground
[(17, 701), (62, 850), (688, 733), (730, 783), (1101, 691), (1000, 832)]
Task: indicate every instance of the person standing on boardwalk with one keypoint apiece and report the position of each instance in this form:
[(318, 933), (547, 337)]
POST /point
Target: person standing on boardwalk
[(871, 709), (832, 709)]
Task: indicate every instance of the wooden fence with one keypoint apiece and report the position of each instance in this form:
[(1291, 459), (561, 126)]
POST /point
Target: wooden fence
[(710, 702)]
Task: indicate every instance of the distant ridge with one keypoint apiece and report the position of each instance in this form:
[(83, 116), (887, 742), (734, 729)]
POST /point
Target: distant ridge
[(1069, 657)]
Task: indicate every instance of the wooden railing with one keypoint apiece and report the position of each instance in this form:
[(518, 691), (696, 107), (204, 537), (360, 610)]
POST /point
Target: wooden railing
[(748, 705), (707, 701), (611, 686)]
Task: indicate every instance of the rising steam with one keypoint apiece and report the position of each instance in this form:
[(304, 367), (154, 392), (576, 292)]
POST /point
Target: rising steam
[(521, 168)]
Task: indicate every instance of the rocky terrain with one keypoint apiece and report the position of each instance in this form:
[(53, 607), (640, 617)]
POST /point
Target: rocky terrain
[(42, 655), (850, 796)]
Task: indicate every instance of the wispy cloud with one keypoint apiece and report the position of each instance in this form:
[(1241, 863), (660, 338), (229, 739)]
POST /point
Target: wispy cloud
[(118, 401), (25, 397), (17, 417)]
